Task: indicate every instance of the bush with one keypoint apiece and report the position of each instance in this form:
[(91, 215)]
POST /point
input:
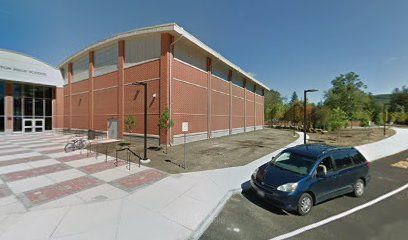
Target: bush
[(338, 119)]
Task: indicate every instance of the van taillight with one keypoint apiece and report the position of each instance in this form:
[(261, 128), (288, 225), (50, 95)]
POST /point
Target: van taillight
[(368, 164)]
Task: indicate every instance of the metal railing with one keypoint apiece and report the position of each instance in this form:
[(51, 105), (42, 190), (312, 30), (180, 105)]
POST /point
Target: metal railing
[(128, 152)]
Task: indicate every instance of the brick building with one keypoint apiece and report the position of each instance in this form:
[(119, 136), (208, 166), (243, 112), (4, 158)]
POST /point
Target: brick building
[(195, 83)]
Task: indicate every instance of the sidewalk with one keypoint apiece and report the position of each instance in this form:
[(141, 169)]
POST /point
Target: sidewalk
[(386, 147), (177, 207)]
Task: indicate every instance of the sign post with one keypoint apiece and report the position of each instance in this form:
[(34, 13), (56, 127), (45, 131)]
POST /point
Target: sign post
[(184, 129)]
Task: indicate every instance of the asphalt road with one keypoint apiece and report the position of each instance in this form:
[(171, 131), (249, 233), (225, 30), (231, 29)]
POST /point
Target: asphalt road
[(245, 216)]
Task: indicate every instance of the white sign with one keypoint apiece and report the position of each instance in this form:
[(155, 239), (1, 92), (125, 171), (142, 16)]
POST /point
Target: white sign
[(184, 127)]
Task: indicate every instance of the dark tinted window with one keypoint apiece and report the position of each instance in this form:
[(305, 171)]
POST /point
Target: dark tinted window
[(342, 160), (357, 157)]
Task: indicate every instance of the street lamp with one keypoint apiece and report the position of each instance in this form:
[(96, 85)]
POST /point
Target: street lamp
[(304, 112), (144, 84)]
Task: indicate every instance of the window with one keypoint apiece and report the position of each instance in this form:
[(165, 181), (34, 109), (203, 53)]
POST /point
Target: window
[(142, 48), (191, 54), (327, 162), (221, 71), (250, 86), (238, 79), (259, 90), (80, 69), (293, 162), (342, 160), (357, 157), (106, 60)]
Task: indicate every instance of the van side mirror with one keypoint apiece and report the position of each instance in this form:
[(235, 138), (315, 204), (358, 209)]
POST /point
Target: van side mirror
[(321, 171)]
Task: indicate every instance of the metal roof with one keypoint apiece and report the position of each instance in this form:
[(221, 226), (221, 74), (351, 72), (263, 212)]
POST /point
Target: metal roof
[(19, 67), (171, 28)]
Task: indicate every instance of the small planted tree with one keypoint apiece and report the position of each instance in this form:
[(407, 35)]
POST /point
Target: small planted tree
[(165, 122), (129, 123)]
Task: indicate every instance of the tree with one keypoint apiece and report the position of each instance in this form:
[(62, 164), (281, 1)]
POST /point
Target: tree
[(294, 112), (399, 100), (294, 98), (273, 105), (347, 93), (129, 123), (320, 116), (338, 119), (165, 122)]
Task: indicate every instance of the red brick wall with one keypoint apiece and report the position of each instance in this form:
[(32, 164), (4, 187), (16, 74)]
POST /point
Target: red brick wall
[(58, 108), (189, 98), (237, 107), (220, 104)]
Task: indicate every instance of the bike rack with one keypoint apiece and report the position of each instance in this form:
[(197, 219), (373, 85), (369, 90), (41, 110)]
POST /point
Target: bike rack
[(129, 151)]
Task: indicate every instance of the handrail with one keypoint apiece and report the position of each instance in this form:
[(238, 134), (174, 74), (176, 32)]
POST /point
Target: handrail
[(128, 157)]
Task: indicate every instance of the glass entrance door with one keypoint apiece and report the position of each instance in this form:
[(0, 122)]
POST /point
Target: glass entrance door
[(33, 125), (32, 102)]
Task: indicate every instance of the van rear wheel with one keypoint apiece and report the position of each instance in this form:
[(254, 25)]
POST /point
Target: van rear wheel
[(358, 188)]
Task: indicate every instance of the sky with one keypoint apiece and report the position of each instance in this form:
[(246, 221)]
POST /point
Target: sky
[(287, 45)]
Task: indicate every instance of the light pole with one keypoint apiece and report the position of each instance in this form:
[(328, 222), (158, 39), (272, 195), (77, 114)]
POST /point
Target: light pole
[(144, 84), (304, 112)]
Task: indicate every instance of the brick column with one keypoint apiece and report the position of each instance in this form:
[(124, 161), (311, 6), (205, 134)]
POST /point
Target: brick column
[(230, 100), (91, 88), (121, 88), (254, 106), (245, 103), (209, 91), (70, 94), (8, 104), (166, 59)]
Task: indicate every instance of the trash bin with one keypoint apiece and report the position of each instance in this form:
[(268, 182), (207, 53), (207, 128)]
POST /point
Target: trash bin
[(91, 135)]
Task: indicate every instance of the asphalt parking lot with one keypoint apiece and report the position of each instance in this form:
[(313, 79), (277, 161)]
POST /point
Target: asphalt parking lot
[(246, 216)]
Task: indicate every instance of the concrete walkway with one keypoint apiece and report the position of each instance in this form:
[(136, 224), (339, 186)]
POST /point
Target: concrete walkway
[(179, 206), (386, 147)]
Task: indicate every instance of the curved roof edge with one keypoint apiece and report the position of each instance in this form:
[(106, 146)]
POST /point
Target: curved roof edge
[(20, 67), (169, 27)]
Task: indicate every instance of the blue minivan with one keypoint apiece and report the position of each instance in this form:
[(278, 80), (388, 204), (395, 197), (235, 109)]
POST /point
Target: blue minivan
[(304, 175)]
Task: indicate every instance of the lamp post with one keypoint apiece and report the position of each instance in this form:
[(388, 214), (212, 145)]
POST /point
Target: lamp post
[(144, 84), (304, 112)]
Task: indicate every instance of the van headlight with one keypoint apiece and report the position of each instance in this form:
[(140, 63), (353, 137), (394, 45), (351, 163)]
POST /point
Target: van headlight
[(254, 173), (288, 187)]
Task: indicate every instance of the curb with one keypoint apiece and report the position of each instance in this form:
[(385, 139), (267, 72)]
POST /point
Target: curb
[(212, 215)]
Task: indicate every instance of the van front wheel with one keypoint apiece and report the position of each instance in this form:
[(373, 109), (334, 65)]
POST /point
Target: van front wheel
[(305, 204)]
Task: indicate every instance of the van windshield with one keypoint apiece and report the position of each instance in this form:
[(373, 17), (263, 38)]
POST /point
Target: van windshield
[(294, 163)]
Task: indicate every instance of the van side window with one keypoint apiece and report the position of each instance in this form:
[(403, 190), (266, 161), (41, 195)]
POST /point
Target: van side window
[(342, 160), (327, 162), (357, 157)]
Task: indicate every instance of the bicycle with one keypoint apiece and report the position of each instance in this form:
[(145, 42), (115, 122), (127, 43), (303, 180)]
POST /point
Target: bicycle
[(77, 143)]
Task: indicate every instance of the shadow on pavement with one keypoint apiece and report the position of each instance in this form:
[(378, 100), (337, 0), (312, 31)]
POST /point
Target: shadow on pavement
[(251, 196)]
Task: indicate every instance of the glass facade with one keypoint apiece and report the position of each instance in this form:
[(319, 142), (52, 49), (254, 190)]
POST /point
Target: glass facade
[(32, 102)]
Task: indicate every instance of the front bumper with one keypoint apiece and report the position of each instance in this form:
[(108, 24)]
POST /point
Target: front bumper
[(283, 200)]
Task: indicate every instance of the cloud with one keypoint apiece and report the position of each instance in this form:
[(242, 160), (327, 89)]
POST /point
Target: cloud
[(390, 60), (252, 74)]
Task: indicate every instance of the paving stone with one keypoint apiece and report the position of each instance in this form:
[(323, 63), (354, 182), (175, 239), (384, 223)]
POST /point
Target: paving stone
[(98, 167), (14, 176), (53, 192), (134, 181), (23, 160)]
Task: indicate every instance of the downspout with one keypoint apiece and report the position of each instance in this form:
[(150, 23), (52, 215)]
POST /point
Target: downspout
[(170, 80)]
